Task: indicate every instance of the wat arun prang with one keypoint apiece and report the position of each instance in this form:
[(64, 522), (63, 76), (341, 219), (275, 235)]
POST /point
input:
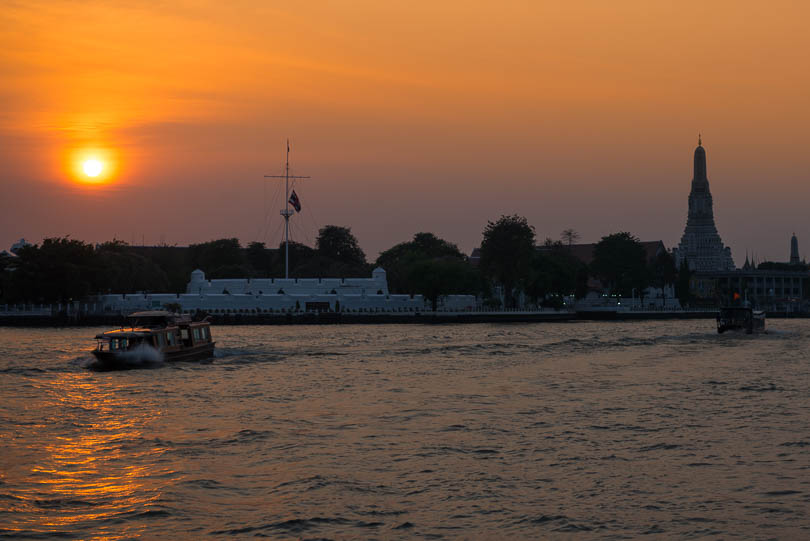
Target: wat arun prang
[(701, 245)]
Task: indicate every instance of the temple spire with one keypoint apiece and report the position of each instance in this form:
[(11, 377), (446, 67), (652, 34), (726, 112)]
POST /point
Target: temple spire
[(700, 163)]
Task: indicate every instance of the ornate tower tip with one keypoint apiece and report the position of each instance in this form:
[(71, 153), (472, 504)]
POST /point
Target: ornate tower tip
[(700, 141)]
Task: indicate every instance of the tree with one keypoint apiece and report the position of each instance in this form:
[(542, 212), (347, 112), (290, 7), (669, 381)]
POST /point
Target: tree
[(338, 243), (434, 278), (506, 253), (620, 261), (683, 285), (299, 255), (663, 271), (222, 258), (259, 258), (398, 259), (61, 269), (128, 271), (569, 236), (554, 274)]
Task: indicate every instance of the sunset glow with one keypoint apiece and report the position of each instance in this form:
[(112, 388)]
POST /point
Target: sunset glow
[(581, 116), (92, 168)]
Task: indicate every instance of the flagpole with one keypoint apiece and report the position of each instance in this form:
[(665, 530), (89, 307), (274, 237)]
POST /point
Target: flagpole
[(287, 215), (286, 212)]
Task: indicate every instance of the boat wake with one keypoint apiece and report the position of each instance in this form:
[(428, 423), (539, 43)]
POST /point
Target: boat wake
[(141, 356)]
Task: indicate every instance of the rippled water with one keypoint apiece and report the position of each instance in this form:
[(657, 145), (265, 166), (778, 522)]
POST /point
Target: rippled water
[(602, 430)]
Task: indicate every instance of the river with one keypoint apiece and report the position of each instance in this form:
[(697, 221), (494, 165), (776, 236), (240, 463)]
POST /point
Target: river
[(606, 430)]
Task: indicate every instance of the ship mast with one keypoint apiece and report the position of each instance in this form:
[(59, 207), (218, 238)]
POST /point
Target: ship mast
[(286, 211)]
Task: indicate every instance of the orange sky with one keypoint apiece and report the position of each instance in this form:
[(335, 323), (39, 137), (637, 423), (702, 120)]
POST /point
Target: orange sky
[(410, 116)]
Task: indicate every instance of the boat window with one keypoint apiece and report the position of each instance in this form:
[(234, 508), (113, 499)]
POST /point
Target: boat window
[(196, 334), (161, 338), (206, 333), (170, 338)]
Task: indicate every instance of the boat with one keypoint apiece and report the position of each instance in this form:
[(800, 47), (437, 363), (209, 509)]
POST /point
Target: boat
[(155, 336), (740, 318)]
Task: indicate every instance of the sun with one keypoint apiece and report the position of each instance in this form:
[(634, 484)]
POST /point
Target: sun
[(92, 168)]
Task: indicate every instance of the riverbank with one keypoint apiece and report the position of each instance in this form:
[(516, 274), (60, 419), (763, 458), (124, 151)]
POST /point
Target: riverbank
[(332, 318)]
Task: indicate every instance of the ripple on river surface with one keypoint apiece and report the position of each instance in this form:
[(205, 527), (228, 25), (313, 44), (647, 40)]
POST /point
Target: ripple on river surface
[(608, 430)]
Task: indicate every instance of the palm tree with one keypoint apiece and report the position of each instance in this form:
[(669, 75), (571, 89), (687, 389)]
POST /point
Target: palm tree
[(570, 236)]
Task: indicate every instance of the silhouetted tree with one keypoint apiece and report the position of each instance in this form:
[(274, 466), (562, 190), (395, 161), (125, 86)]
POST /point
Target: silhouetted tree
[(683, 285), (554, 273), (299, 255), (260, 258), (620, 261), (663, 271), (60, 269), (569, 236), (435, 278), (398, 260), (338, 243), (127, 271), (506, 253), (222, 258)]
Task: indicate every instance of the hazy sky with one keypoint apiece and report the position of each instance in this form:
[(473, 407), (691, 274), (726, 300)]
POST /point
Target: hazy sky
[(409, 116)]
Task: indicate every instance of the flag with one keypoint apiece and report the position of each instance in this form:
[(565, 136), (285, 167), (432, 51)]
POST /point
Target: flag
[(295, 202), (736, 296)]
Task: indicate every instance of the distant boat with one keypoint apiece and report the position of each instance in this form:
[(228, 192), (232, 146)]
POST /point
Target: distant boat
[(154, 336), (740, 318)]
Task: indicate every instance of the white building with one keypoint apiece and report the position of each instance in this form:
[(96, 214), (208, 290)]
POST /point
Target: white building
[(268, 295)]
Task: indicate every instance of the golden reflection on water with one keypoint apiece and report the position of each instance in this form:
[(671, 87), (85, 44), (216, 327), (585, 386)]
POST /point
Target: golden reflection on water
[(99, 467)]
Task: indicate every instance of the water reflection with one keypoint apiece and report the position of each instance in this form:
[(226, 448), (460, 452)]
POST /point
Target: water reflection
[(96, 467)]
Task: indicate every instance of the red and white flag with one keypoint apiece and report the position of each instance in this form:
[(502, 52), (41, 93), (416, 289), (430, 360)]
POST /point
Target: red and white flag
[(295, 202)]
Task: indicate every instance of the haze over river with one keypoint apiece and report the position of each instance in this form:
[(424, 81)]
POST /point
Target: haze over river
[(598, 430)]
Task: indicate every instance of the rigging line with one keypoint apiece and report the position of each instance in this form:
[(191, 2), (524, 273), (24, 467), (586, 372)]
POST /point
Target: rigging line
[(277, 233), (267, 219), (311, 216), (265, 225), (301, 230), (264, 211)]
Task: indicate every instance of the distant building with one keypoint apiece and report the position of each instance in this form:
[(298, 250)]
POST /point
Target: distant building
[(19, 245), (773, 285), (700, 244), (258, 295), (794, 250), (773, 289)]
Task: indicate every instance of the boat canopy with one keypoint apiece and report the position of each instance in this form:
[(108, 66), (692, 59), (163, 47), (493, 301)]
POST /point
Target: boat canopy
[(122, 333)]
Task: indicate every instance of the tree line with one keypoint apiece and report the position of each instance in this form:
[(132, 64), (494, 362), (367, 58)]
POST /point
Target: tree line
[(511, 266)]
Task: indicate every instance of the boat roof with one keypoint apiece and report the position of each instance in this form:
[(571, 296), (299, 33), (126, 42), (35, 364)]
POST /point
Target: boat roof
[(125, 333), (152, 313)]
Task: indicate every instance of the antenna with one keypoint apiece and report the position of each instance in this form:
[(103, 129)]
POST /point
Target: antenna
[(286, 212)]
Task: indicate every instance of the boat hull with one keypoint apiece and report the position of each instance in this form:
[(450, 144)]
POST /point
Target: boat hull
[(195, 353), (740, 320)]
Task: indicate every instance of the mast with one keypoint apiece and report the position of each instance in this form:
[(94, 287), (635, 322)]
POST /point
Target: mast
[(286, 211)]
